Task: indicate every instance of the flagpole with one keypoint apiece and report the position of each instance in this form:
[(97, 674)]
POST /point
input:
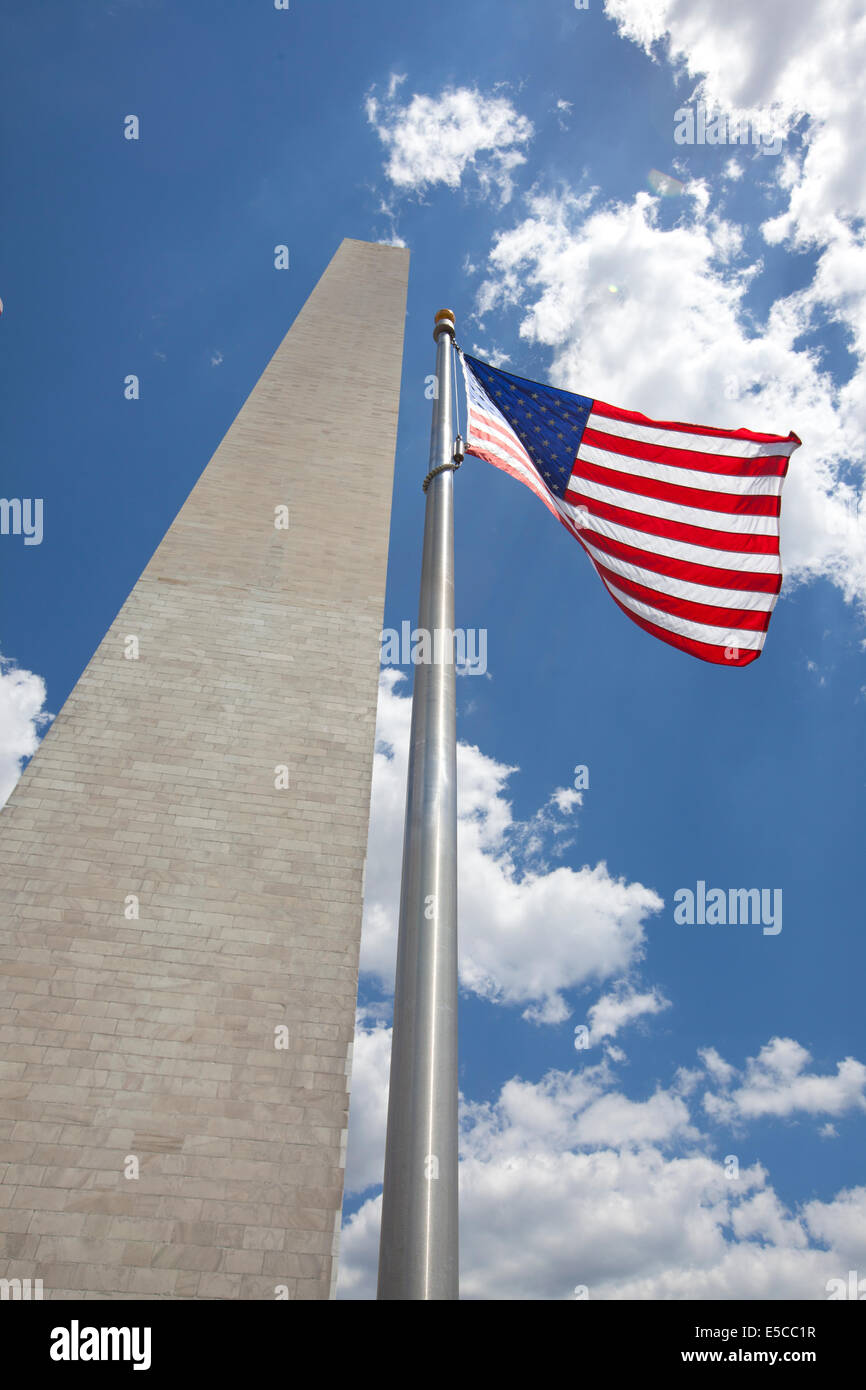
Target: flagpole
[(418, 1242)]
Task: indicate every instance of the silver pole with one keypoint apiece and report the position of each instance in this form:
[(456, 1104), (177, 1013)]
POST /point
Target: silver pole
[(418, 1243)]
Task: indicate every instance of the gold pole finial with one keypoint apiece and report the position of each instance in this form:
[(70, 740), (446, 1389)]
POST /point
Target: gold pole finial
[(443, 320)]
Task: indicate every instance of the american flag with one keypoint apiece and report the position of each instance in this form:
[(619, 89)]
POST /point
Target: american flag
[(680, 521)]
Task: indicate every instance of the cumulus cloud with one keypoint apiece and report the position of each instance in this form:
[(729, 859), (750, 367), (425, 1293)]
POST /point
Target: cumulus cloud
[(617, 1010), (566, 798), (568, 1110), (842, 1222), (368, 1110), (786, 63), (800, 67), (777, 1083), (655, 317), (494, 356), (22, 720), (720, 1070), (566, 1183), (591, 924), (439, 139)]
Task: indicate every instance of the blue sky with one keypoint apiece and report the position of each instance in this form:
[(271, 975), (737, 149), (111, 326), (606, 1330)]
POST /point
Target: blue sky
[(511, 148)]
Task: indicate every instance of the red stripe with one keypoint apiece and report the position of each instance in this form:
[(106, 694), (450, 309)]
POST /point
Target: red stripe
[(676, 530), (736, 503), (704, 650), (772, 466), (684, 569), (747, 619), (634, 417)]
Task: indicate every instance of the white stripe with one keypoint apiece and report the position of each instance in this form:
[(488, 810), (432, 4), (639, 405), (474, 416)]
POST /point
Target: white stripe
[(527, 474), (510, 451), (733, 522), (680, 477), (681, 439), (681, 588), (502, 432), (683, 627), (746, 562)]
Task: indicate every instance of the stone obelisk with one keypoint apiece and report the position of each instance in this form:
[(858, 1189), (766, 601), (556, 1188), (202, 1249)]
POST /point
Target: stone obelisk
[(182, 860)]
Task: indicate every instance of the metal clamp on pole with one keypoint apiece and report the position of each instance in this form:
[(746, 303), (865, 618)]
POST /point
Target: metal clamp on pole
[(441, 469)]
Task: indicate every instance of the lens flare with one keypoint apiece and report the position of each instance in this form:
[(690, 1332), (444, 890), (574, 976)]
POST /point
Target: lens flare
[(664, 184)]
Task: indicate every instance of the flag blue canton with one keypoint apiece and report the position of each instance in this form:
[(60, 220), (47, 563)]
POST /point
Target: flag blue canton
[(548, 423)]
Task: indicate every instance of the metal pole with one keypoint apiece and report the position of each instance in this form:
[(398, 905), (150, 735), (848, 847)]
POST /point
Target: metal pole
[(418, 1243)]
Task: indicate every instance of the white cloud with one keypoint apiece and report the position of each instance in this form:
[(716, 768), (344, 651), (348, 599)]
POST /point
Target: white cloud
[(438, 139), (763, 1216), (720, 1070), (774, 58), (491, 355), (841, 1223), (568, 1110), (616, 1011), (393, 238), (776, 1083), (368, 1113), (801, 66), (566, 798), (22, 720), (677, 341), (527, 932), (568, 1182), (793, 62)]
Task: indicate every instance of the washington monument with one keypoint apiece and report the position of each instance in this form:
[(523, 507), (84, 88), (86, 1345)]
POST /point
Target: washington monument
[(183, 858)]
